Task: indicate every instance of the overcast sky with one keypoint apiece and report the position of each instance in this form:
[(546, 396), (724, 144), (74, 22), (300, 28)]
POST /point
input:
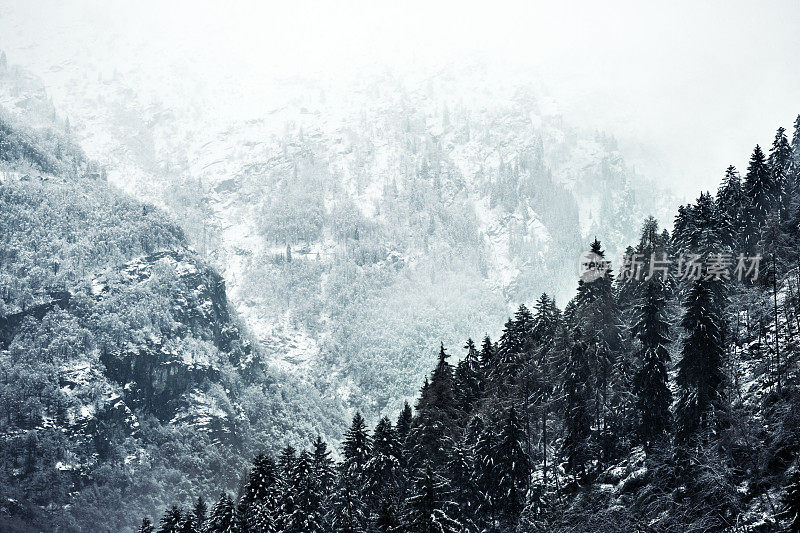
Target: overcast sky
[(687, 87)]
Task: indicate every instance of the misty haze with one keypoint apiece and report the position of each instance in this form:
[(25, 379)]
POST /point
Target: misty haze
[(416, 268)]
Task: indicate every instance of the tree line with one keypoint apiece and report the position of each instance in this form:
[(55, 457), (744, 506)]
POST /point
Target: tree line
[(655, 403)]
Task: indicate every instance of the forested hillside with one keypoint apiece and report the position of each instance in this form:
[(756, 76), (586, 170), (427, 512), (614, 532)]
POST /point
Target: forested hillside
[(125, 378), (357, 222), (663, 397)]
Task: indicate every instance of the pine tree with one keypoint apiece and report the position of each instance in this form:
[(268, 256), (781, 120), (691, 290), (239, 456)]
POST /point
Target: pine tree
[(429, 505), (513, 467), (468, 376), (262, 480), (322, 465), (487, 355), (597, 315), (383, 471), (357, 445), (732, 205), (760, 191), (578, 418), (486, 480), (437, 418), (171, 521), (780, 167), (305, 514), (223, 517), (403, 425), (286, 461), (653, 396), (513, 344), (188, 525), (700, 374), (200, 513), (146, 527)]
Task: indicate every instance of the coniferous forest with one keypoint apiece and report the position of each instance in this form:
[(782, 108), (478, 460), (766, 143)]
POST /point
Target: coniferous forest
[(660, 402), (370, 267)]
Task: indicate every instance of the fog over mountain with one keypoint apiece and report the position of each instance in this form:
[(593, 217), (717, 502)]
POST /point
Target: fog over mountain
[(664, 79), (237, 237)]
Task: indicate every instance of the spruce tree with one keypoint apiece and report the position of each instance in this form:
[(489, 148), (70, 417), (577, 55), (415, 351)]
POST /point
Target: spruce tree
[(468, 378), (286, 461), (304, 515), (388, 519), (487, 355), (403, 425), (513, 468), (486, 480), (200, 513), (223, 517), (146, 527), (780, 167), (437, 418), (700, 373), (577, 443), (357, 445), (546, 318), (383, 471), (512, 347), (732, 204), (430, 504), (171, 521), (262, 480), (322, 465), (760, 191), (653, 396), (188, 525), (597, 315), (460, 473)]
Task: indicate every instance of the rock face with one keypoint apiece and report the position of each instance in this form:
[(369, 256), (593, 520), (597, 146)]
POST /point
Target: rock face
[(157, 379)]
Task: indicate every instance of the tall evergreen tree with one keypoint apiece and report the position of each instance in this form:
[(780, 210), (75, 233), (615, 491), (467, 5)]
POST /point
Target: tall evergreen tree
[(403, 425), (304, 515), (780, 167), (577, 443), (700, 372), (146, 527), (597, 315), (732, 205), (286, 461), (760, 191), (200, 513), (383, 470), (487, 355), (429, 505), (188, 525), (513, 467), (437, 419), (511, 349), (486, 479), (223, 517), (322, 465), (357, 445), (171, 521), (468, 378), (262, 480), (653, 396)]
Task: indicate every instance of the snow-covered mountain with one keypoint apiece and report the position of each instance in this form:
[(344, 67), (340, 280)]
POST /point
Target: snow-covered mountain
[(412, 209)]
